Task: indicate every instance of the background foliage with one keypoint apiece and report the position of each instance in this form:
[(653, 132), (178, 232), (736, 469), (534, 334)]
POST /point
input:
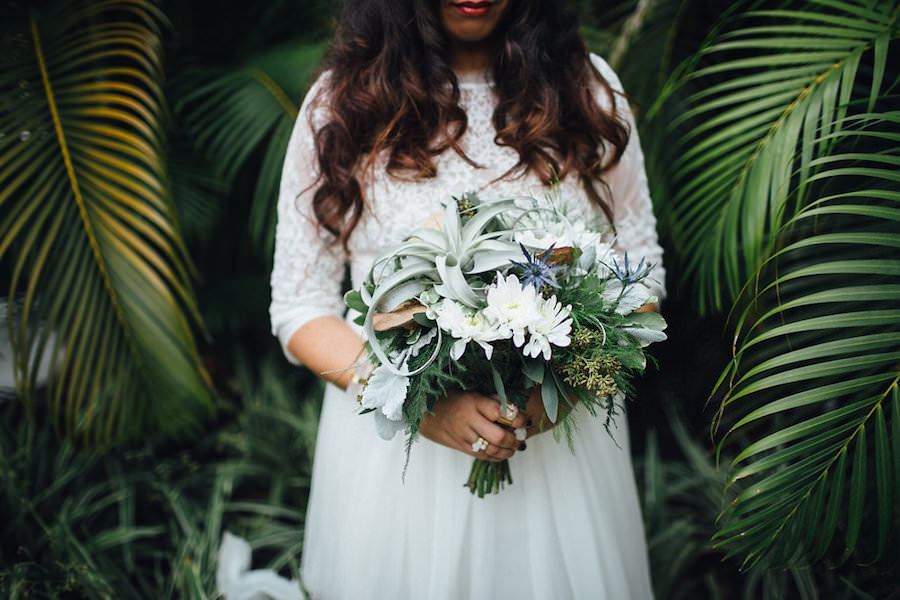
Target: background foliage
[(770, 130), (785, 206)]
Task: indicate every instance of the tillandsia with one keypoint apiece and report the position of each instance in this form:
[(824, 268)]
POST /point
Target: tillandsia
[(502, 297)]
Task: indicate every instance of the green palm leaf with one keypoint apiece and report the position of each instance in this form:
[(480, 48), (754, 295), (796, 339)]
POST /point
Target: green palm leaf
[(88, 225), (251, 110), (768, 98), (198, 194), (815, 379)]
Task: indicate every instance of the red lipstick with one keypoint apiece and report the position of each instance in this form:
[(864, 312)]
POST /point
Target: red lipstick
[(472, 9)]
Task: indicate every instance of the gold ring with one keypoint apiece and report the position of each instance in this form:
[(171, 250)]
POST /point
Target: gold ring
[(480, 444), (508, 413)]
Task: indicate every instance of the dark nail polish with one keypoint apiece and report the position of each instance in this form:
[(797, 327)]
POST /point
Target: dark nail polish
[(522, 446)]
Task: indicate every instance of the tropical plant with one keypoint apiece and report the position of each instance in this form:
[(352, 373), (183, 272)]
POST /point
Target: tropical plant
[(88, 223), (148, 523), (788, 204), (797, 196), (681, 496), (231, 113)]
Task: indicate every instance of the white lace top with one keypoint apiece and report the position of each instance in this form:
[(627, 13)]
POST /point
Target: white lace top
[(308, 270)]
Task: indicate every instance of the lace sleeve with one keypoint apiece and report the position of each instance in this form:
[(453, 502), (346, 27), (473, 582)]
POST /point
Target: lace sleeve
[(632, 207), (308, 269)]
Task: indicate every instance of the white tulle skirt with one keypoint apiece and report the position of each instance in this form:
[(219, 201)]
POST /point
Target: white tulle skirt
[(568, 527)]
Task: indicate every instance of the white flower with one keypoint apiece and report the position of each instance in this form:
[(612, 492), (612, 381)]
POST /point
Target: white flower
[(552, 326), (523, 312), (386, 428), (468, 326), (512, 306), (540, 230), (542, 226), (386, 392), (536, 239)]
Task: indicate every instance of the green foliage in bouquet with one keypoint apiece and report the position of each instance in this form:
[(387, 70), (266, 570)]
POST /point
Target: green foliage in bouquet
[(501, 297), (600, 362)]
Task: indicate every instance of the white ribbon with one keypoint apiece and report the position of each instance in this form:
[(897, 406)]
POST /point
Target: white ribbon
[(235, 580)]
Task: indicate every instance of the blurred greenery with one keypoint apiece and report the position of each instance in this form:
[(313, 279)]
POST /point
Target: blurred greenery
[(147, 522), (137, 510)]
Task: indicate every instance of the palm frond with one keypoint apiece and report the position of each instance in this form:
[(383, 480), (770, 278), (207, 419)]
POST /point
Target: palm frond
[(815, 382), (769, 95), (198, 193), (89, 225), (251, 110)]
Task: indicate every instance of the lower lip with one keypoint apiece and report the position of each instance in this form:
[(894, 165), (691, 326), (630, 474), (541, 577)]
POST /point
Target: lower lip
[(472, 11)]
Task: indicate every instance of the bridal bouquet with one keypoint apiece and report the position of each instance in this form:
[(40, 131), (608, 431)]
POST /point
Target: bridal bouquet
[(500, 297)]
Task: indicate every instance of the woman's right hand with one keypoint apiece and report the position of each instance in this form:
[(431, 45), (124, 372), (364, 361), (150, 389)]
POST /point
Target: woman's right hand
[(461, 418)]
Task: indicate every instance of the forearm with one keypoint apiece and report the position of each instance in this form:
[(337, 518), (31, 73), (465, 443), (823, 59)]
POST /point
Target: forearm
[(329, 348)]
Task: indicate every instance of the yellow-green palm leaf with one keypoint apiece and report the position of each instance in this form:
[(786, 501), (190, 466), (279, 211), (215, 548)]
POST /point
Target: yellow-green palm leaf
[(87, 225), (787, 204), (815, 384), (766, 91)]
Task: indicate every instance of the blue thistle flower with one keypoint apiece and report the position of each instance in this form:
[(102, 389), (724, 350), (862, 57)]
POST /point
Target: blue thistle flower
[(536, 270), (626, 275)]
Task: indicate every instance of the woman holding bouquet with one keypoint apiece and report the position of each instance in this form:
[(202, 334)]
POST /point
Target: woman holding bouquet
[(421, 100)]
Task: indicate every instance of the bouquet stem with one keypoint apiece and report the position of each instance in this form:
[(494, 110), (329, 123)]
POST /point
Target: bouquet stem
[(488, 476)]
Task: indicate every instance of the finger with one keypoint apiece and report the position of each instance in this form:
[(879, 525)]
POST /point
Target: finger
[(519, 421), (501, 443), (508, 414), (496, 453), (520, 432), (499, 437), (489, 408), (487, 451)]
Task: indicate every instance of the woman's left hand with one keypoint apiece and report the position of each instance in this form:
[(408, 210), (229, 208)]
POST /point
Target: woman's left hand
[(537, 419)]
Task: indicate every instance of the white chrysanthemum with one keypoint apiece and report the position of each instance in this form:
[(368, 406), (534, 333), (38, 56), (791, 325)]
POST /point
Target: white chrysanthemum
[(552, 326), (594, 254), (468, 326), (543, 233), (512, 306)]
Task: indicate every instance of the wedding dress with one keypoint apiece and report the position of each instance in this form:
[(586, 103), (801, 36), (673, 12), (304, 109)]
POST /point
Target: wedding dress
[(570, 525)]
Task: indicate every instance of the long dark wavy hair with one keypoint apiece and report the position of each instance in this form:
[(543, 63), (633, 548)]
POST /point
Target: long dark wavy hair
[(390, 88)]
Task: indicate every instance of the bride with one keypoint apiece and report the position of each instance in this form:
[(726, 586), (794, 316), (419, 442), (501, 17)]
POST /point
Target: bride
[(420, 100)]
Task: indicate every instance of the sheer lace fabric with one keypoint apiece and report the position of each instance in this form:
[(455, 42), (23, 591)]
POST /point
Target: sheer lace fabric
[(569, 526), (308, 271)]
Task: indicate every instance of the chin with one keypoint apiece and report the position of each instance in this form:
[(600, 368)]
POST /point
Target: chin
[(470, 21)]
